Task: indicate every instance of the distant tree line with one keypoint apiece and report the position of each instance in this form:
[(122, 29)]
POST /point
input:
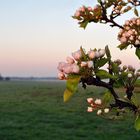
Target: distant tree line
[(4, 78)]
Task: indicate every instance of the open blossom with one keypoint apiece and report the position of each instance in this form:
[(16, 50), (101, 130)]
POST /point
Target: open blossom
[(67, 69), (61, 66), (70, 60), (77, 55), (98, 101), (75, 68)]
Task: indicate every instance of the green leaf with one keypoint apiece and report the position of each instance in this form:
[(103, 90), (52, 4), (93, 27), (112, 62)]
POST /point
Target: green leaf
[(134, 100), (107, 52), (137, 52), (84, 24), (122, 46), (101, 62), (104, 74), (67, 95), (136, 12), (83, 54), (107, 98), (137, 123), (119, 83), (115, 68), (72, 82), (71, 86), (99, 1)]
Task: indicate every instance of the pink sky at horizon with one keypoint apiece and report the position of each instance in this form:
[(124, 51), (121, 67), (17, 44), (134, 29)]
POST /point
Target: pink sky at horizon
[(35, 36)]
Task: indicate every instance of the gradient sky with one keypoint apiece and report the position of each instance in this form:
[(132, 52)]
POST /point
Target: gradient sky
[(36, 34)]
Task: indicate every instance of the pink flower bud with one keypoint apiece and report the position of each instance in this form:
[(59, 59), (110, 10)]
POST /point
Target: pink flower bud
[(77, 14), (102, 52), (90, 109), (139, 37), (89, 9), (96, 8), (82, 9), (127, 28), (138, 22), (130, 32), (61, 76), (70, 60), (123, 40), (137, 42), (131, 38), (99, 112), (97, 54), (83, 64), (90, 64), (90, 100), (127, 22), (91, 54)]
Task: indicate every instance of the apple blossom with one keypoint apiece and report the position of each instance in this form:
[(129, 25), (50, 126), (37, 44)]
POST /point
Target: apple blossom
[(97, 54), (90, 100), (83, 64), (98, 101), (129, 75), (77, 55), (91, 54), (106, 110), (70, 60), (61, 75), (67, 68), (102, 52), (99, 112), (75, 68), (130, 33), (89, 109), (61, 65), (90, 64)]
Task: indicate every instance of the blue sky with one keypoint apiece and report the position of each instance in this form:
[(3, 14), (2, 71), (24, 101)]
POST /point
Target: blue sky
[(36, 34)]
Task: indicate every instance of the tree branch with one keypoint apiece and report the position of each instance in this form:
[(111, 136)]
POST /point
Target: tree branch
[(118, 102)]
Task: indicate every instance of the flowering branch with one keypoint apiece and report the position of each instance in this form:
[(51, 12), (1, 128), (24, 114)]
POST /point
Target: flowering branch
[(88, 68)]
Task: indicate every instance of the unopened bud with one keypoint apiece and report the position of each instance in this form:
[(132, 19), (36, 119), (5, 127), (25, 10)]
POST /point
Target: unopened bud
[(99, 112)]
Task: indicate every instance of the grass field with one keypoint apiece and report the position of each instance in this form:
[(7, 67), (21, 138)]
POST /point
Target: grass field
[(35, 111)]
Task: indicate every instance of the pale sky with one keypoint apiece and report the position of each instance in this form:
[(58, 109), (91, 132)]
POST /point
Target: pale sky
[(36, 34)]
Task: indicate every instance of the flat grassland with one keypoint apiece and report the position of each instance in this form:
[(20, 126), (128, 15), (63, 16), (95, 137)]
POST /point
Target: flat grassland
[(36, 111)]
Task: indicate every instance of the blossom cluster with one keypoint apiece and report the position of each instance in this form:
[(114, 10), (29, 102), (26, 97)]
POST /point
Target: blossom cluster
[(131, 32), (88, 13), (134, 2), (96, 105), (77, 64)]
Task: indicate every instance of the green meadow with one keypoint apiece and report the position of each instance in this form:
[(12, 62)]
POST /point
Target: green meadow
[(36, 111)]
